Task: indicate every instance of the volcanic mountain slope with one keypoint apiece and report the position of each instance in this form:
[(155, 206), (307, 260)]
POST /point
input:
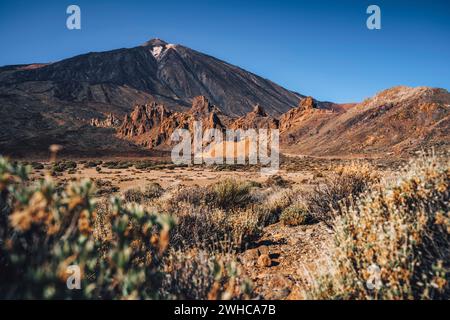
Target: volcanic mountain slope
[(156, 71), (399, 121)]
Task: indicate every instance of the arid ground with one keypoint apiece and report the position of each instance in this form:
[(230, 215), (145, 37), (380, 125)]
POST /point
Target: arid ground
[(293, 249)]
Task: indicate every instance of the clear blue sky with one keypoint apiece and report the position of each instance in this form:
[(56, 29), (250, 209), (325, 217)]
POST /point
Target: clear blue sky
[(319, 48)]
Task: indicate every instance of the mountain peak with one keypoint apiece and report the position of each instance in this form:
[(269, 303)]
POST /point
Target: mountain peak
[(154, 42)]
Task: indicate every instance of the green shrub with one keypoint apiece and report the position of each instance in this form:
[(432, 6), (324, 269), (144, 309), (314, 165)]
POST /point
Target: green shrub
[(63, 165), (117, 164)]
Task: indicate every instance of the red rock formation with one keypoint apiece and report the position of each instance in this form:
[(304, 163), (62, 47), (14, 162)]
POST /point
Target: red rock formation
[(256, 119), (143, 119), (152, 125)]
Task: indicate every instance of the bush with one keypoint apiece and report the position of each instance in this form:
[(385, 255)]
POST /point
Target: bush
[(277, 181), (225, 194), (146, 164), (401, 228), (105, 187), (195, 196), (117, 164), (43, 232), (133, 195), (215, 229), (199, 275), (149, 192), (92, 164), (228, 194), (271, 206), (61, 166), (295, 215), (37, 165), (152, 191), (345, 182), (202, 223)]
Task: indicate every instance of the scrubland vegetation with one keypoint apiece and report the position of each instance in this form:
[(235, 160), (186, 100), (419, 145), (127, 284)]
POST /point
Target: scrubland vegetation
[(403, 228), (185, 242)]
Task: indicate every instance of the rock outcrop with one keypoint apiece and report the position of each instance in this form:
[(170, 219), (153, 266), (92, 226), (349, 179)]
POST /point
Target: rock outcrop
[(398, 120), (152, 125), (111, 121), (307, 108), (256, 119)]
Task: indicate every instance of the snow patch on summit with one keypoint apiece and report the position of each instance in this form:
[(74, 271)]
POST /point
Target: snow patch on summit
[(156, 51)]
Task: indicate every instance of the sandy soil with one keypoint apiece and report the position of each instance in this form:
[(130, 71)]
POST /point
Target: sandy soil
[(131, 177)]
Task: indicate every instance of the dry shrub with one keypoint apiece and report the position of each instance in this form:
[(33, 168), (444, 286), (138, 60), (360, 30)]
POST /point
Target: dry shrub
[(102, 222), (152, 191), (202, 222), (402, 228), (226, 194), (194, 195), (200, 274), (105, 187), (277, 181), (296, 215), (133, 195), (229, 194), (198, 226), (272, 204), (215, 229), (345, 181), (141, 195)]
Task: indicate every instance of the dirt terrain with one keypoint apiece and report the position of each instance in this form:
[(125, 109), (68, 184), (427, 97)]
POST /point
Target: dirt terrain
[(292, 251), (277, 262)]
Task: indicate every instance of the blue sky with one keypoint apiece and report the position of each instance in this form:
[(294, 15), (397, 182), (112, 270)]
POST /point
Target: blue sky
[(319, 48)]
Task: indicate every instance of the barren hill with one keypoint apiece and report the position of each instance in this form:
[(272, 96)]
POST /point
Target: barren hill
[(399, 120)]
